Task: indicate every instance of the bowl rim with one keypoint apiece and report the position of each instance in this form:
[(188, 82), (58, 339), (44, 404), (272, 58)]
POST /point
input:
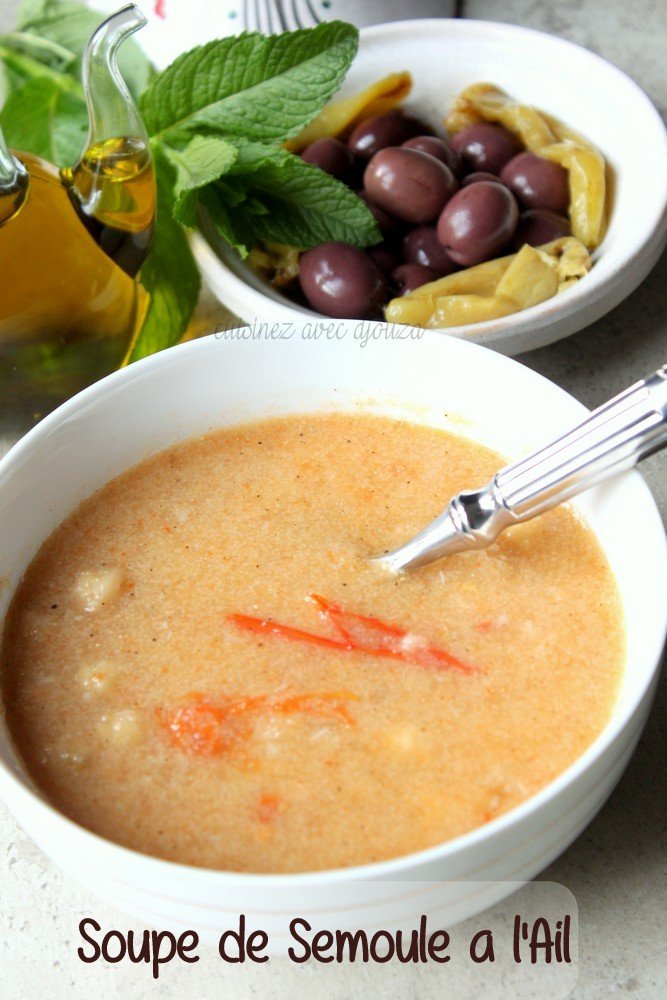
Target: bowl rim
[(13, 786), (601, 283)]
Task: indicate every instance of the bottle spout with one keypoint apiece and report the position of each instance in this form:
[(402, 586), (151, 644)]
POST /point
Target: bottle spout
[(14, 182), (113, 183), (111, 109)]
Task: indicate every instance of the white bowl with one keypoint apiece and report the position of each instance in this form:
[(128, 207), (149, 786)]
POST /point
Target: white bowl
[(436, 380), (581, 89)]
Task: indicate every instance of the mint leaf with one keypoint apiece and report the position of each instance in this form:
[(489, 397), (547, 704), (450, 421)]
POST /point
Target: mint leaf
[(9, 80), (169, 275), (222, 219), (203, 160), (30, 10), (250, 85), (46, 120), (20, 67), (41, 49), (289, 201), (70, 25)]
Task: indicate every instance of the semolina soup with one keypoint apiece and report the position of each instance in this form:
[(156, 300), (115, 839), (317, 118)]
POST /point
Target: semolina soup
[(201, 663)]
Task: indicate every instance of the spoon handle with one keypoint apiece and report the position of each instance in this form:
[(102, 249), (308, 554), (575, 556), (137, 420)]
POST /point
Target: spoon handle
[(613, 438)]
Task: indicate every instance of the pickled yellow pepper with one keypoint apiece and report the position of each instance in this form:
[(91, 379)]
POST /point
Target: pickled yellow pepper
[(340, 116), (496, 288), (544, 135)]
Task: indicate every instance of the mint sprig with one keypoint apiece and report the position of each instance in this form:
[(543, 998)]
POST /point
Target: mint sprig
[(202, 161), (43, 116), (69, 26), (284, 197), (250, 85), (217, 118)]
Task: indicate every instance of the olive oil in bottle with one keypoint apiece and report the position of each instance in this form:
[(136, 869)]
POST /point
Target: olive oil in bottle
[(71, 244), (113, 188)]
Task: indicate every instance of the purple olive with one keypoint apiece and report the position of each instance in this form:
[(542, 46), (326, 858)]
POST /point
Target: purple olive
[(387, 225), (422, 246), (439, 148), (356, 180), (417, 125), (478, 222), (485, 146), (342, 281), (380, 131), (410, 185), (407, 277), (480, 175), (538, 226), (385, 257), (332, 156), (537, 183)]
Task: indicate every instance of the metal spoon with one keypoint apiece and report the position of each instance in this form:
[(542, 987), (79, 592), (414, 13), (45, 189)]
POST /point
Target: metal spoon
[(612, 439)]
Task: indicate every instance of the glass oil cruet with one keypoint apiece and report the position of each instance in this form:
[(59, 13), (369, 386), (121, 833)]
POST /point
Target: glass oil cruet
[(71, 244)]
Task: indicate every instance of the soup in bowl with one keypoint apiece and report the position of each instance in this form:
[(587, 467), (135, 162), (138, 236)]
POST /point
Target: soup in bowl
[(207, 682)]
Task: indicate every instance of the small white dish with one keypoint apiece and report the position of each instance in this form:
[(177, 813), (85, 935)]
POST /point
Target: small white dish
[(575, 85), (433, 379)]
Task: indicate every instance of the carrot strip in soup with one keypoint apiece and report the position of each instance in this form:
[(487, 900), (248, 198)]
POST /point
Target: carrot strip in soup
[(360, 634), (328, 705), (198, 727), (209, 729), (263, 625)]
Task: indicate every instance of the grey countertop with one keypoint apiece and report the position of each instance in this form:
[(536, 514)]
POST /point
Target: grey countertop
[(616, 868)]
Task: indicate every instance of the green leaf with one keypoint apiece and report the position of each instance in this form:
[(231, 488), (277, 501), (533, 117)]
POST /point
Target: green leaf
[(70, 26), (250, 85), (42, 118), (9, 80), (169, 275), (231, 224), (21, 67), (203, 160), (31, 10), (289, 201), (41, 49), (233, 192)]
